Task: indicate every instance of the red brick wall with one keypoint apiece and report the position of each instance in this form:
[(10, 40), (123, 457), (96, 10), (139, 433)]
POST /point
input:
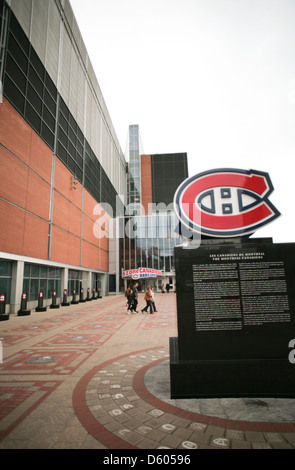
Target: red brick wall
[(26, 166), (146, 183)]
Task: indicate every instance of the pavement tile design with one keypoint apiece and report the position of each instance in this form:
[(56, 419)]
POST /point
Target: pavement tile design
[(113, 404), (42, 361), (17, 399), (74, 378)]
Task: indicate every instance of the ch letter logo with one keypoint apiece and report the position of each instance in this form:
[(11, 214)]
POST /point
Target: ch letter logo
[(225, 203)]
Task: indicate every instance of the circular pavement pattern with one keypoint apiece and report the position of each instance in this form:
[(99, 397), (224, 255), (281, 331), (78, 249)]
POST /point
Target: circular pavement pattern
[(113, 403)]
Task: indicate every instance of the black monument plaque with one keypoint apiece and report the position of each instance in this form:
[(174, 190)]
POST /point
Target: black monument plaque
[(236, 318)]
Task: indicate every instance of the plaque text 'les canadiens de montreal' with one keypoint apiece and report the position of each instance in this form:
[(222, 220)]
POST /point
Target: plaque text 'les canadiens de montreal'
[(239, 290)]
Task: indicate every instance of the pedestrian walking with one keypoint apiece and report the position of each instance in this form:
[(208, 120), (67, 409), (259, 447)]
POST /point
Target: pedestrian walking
[(148, 298), (153, 301), (129, 296), (135, 297)]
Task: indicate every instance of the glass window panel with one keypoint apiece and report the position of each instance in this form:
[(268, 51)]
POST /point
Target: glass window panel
[(14, 95), (20, 57), (51, 288), (34, 270), (26, 286), (34, 290), (33, 117), (161, 255), (57, 286), (34, 99), (62, 153), (5, 268), (53, 273), (47, 135), (35, 81), (15, 74), (37, 64), (43, 287), (50, 103), (48, 118), (63, 122), (5, 285), (72, 165), (27, 270), (43, 272)]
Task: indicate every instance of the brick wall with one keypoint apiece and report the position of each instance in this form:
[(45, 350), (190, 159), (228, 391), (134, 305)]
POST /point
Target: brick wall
[(146, 183), (26, 173)]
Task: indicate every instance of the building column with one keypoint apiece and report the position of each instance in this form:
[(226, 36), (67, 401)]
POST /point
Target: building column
[(16, 286), (64, 281)]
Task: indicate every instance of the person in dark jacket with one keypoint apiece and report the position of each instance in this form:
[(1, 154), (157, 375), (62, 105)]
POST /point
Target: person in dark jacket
[(135, 297), (129, 296)]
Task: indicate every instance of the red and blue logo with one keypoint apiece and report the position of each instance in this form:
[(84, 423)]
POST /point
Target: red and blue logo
[(225, 202)]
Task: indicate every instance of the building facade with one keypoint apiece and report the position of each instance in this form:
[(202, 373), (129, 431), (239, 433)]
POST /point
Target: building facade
[(148, 236), (74, 216), (161, 174), (62, 167)]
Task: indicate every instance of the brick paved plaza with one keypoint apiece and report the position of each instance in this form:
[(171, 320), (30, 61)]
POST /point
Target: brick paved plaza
[(76, 378)]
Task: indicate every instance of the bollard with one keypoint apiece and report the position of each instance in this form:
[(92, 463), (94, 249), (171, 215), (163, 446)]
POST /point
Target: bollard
[(2, 304), (54, 304), (3, 316), (99, 296), (40, 307), (88, 295), (24, 306), (93, 294), (82, 295), (74, 300), (65, 302)]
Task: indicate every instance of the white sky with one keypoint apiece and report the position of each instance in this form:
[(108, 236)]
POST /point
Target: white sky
[(213, 78)]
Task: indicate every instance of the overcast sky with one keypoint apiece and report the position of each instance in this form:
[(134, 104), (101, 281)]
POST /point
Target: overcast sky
[(213, 78)]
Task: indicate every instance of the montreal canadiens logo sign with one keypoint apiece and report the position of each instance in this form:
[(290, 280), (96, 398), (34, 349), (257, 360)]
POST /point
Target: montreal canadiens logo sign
[(225, 202)]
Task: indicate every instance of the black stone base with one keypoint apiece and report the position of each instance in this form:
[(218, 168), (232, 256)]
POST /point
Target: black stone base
[(41, 309), (54, 306), (65, 304), (4, 317), (74, 302), (270, 378), (23, 313)]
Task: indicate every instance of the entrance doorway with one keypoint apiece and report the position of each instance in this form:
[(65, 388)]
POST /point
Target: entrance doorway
[(150, 281)]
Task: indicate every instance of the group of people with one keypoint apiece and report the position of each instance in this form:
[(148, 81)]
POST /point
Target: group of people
[(132, 299)]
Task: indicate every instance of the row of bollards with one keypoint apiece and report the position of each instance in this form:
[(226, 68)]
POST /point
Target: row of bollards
[(24, 311)]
